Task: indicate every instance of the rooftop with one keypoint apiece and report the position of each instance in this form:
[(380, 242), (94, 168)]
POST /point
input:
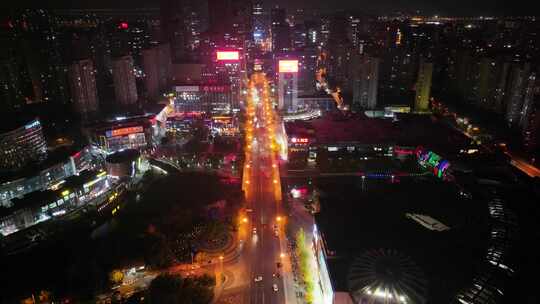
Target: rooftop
[(40, 198), (336, 128), (408, 130), (13, 122), (55, 157), (122, 156), (357, 217)]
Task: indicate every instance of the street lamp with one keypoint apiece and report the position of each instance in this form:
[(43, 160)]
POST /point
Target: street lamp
[(282, 255), (221, 268), (278, 218)]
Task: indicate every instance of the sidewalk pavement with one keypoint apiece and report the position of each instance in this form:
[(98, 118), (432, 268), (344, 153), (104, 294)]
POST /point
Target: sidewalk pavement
[(288, 280)]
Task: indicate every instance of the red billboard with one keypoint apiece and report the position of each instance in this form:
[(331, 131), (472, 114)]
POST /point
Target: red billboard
[(125, 131), (288, 66), (228, 56)]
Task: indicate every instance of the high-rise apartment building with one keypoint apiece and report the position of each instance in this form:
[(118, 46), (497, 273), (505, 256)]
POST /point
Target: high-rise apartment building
[(365, 82), (180, 27), (125, 87), (165, 66), (280, 29), (530, 119), (519, 76), (423, 86), (82, 81), (260, 23), (150, 66)]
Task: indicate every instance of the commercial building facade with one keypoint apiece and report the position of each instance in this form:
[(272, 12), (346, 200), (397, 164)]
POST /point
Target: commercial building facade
[(17, 185), (22, 145), (39, 206), (207, 98), (288, 85)]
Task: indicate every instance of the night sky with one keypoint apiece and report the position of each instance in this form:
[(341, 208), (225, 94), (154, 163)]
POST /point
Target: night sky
[(442, 7)]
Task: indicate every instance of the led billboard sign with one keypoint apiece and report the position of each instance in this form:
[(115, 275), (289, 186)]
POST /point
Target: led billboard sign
[(228, 55), (288, 66)]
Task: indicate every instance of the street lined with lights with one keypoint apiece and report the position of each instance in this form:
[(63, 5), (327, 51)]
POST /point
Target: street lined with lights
[(264, 254)]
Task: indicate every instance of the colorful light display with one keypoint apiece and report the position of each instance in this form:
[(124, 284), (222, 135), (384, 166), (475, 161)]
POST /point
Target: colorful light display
[(288, 66), (434, 161)]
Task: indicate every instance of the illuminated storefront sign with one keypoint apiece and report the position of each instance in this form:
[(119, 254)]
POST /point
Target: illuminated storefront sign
[(124, 131), (288, 66), (186, 88), (299, 140), (214, 88), (227, 55)]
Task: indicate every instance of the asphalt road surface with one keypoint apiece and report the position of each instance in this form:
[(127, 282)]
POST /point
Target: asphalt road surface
[(262, 187)]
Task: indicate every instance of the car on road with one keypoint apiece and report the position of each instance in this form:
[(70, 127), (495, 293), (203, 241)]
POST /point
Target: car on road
[(274, 287), (258, 279)]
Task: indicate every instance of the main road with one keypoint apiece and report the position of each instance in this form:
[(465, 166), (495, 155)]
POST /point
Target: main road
[(263, 250)]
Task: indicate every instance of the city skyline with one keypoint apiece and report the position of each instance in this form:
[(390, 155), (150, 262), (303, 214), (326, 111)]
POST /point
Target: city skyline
[(422, 7), (228, 151)]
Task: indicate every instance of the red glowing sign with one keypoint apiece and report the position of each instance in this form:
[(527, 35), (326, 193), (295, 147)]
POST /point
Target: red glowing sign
[(299, 140), (227, 55), (288, 66), (126, 131), (123, 25)]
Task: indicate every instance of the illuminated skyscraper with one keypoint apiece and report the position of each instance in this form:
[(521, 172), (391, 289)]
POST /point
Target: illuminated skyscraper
[(423, 86), (288, 85), (82, 81), (125, 88), (260, 23)]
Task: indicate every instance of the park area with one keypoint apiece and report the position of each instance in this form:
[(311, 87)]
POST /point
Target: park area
[(161, 227)]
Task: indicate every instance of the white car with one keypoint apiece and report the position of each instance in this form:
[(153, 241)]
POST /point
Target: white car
[(274, 287), (258, 278)]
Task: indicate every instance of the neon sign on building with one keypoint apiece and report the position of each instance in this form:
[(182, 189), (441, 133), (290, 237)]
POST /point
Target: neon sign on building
[(228, 55), (299, 140), (124, 131), (288, 66)]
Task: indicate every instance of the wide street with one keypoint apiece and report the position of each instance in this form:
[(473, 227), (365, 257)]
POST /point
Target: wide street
[(263, 255)]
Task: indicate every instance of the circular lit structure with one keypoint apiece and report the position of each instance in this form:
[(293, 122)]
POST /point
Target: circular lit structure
[(21, 143), (386, 276)]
